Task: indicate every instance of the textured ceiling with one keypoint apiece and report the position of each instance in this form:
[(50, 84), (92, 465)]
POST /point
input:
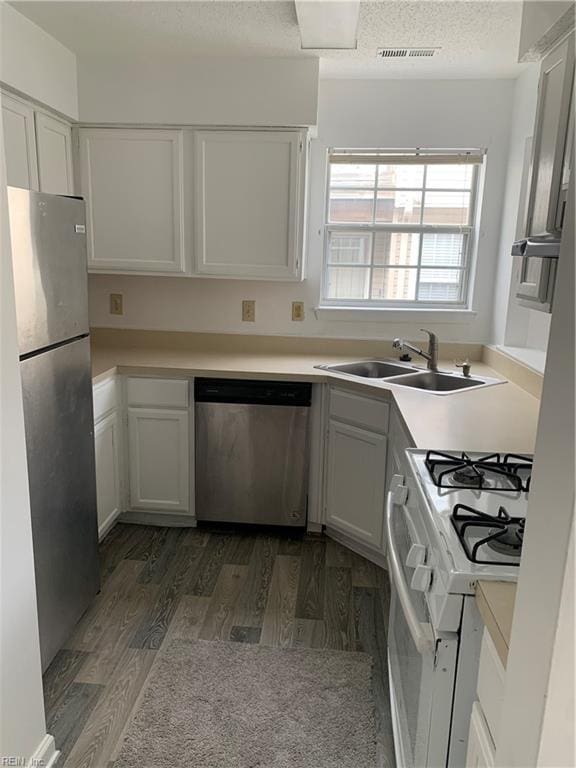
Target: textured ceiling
[(478, 38)]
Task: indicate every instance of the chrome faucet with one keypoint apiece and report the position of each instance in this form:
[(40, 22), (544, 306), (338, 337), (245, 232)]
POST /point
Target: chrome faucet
[(431, 356)]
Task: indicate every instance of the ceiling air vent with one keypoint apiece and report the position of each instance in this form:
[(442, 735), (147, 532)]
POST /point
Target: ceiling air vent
[(422, 52), (403, 53), (392, 53)]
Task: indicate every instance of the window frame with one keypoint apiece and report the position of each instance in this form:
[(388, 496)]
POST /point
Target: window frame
[(469, 231)]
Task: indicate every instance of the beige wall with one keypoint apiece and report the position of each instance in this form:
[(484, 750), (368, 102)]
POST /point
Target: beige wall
[(199, 91), (34, 63)]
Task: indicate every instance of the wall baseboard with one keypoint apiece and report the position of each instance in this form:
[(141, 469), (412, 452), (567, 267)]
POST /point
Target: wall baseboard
[(312, 527), (45, 755), (170, 519)]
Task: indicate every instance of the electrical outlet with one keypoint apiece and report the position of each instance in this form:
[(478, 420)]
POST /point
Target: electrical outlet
[(249, 311), (116, 304), (297, 310)]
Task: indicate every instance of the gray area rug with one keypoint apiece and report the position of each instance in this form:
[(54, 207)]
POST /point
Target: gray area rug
[(234, 705)]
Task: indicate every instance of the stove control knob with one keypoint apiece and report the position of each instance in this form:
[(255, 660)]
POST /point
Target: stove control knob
[(416, 556), (421, 578), (399, 493)]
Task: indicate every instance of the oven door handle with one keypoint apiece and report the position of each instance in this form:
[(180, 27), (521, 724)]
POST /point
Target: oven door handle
[(421, 632)]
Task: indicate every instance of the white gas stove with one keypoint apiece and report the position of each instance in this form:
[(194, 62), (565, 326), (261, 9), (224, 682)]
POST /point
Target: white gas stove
[(451, 520)]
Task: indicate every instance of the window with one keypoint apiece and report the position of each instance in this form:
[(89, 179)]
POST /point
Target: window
[(399, 227)]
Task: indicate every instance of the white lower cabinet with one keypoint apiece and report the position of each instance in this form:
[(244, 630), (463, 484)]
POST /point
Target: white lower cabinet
[(108, 453), (107, 446), (356, 468), (487, 710), (481, 752), (158, 459)]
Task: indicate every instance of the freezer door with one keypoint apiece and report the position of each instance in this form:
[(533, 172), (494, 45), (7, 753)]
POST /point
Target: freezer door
[(59, 425), (49, 256)]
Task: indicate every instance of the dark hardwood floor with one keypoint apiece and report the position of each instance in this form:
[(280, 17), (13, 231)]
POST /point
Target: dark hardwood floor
[(212, 584)]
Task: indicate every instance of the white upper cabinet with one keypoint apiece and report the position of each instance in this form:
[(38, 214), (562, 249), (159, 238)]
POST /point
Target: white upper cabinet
[(249, 203), (54, 146), (20, 144), (551, 150), (132, 181)]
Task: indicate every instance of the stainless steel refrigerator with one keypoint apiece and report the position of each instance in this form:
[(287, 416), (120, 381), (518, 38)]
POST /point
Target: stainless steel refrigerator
[(49, 257)]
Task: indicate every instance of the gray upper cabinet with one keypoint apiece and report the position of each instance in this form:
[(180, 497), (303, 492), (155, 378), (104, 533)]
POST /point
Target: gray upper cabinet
[(551, 148)]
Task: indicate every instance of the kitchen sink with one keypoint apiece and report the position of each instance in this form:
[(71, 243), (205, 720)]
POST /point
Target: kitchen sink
[(370, 369), (403, 375), (441, 383)]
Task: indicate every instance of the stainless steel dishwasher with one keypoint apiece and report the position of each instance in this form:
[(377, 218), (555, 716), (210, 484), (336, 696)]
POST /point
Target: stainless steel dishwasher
[(251, 451)]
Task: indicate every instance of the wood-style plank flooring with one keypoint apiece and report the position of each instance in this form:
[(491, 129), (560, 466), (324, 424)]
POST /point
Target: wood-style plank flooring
[(213, 584)]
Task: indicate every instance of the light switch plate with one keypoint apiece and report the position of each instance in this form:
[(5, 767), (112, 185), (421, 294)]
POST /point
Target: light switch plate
[(116, 304), (297, 310), (248, 311)]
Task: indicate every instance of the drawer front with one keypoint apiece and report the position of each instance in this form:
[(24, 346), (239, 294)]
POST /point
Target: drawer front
[(104, 397), (491, 681), (372, 414), (158, 393)]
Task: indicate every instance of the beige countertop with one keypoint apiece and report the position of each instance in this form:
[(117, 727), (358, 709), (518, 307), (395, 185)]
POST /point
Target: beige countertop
[(495, 601), (497, 418)]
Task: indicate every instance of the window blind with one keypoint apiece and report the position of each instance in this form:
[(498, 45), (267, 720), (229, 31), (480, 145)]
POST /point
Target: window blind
[(408, 157)]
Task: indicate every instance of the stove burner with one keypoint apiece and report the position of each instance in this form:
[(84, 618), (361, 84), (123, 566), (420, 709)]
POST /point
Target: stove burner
[(490, 472), (504, 534), (509, 540), (469, 475)]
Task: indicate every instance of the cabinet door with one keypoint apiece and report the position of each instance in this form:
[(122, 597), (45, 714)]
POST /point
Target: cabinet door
[(481, 753), (132, 182), (158, 459), (106, 437), (356, 482), (54, 142), (249, 203), (19, 143), (552, 118)]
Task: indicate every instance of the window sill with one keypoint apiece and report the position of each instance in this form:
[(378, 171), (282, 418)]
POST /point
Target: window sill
[(407, 315)]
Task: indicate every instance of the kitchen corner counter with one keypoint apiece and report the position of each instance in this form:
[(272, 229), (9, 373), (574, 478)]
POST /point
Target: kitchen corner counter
[(497, 418), (495, 601)]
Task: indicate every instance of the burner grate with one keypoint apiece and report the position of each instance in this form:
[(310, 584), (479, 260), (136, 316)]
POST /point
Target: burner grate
[(511, 473), (505, 534)]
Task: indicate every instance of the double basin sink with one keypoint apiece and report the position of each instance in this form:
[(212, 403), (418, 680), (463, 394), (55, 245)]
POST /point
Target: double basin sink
[(404, 375)]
